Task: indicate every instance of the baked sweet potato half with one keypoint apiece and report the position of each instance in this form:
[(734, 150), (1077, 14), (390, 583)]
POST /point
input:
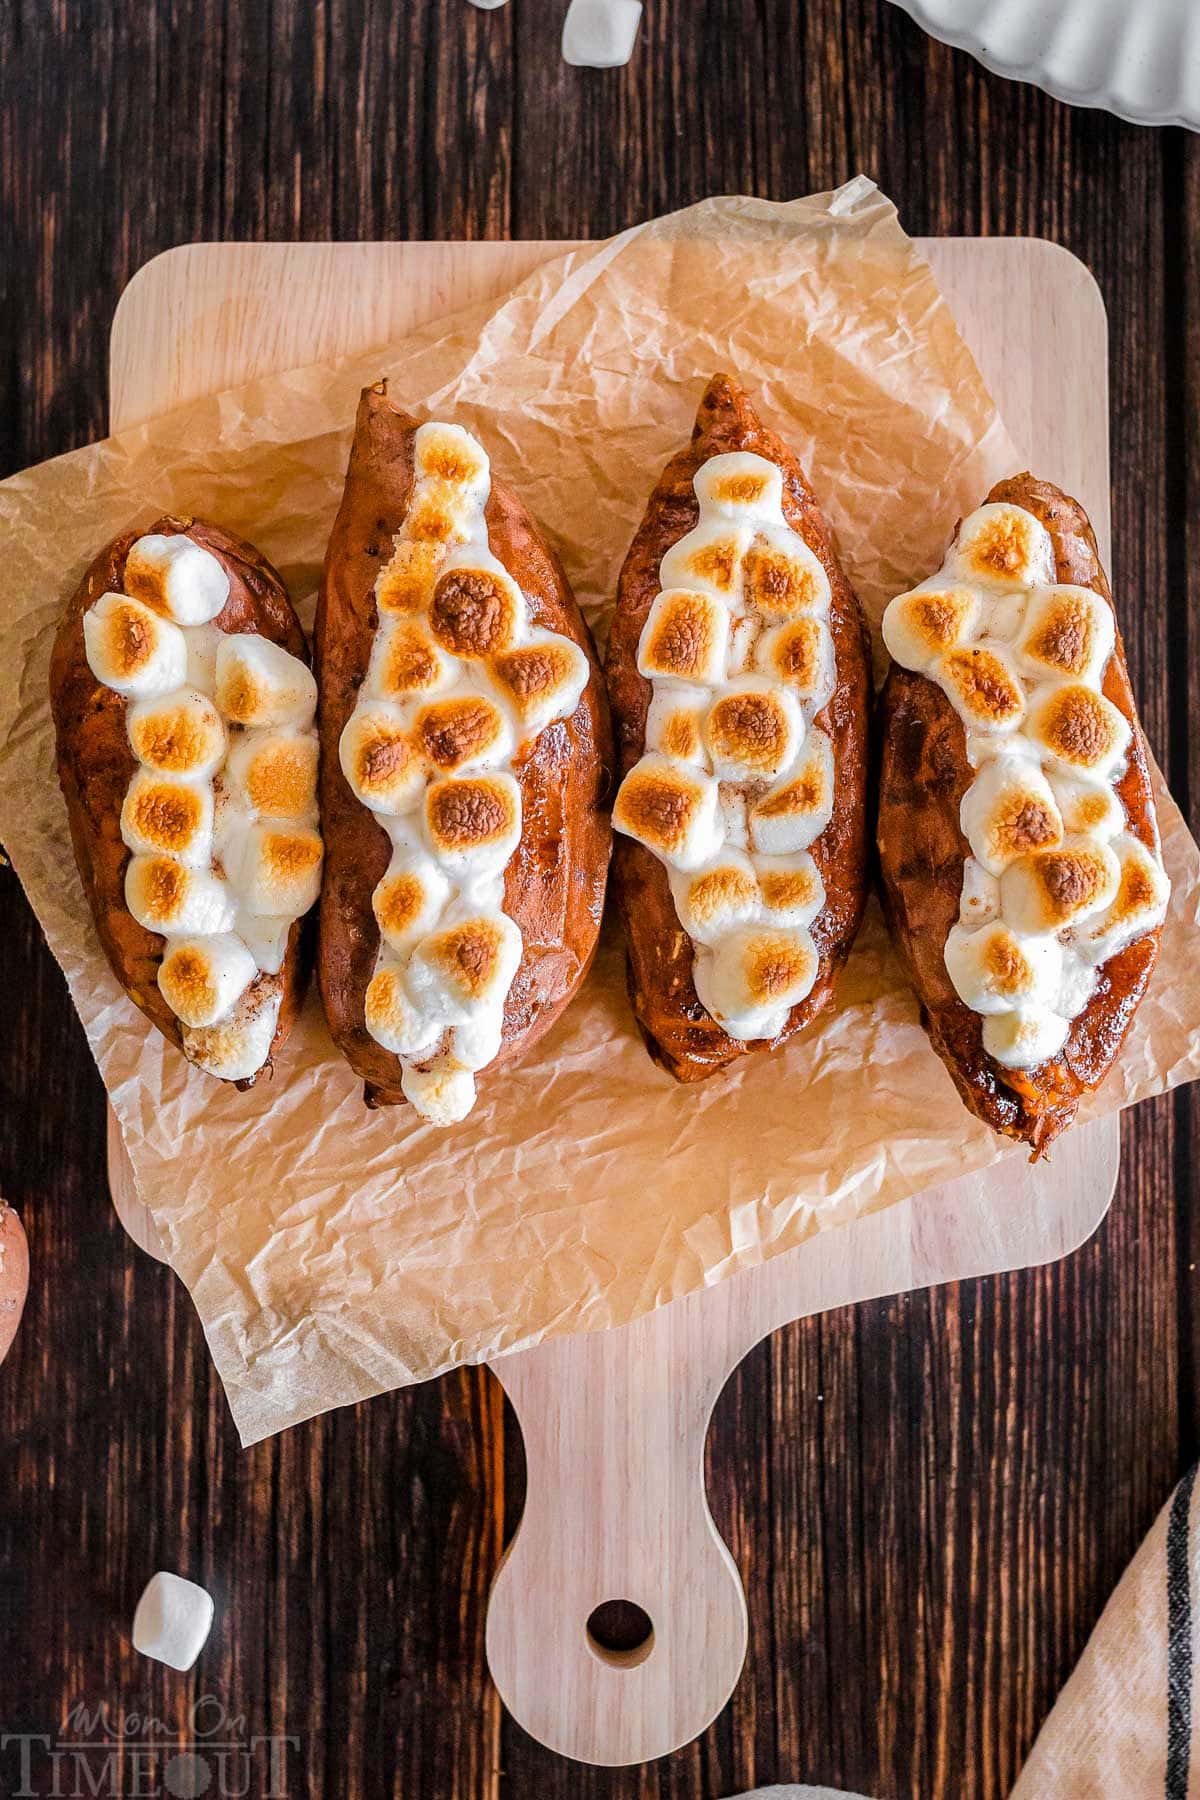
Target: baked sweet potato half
[(1018, 843), (465, 768), (183, 708), (739, 674)]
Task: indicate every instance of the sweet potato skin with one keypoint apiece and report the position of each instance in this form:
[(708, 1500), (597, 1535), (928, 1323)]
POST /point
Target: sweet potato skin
[(679, 1033), (923, 774), (554, 883), (96, 764)]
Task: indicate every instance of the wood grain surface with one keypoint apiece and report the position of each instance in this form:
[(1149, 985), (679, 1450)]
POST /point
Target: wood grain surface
[(930, 1498)]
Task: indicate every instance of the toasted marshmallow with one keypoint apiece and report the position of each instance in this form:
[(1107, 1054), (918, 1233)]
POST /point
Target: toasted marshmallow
[(275, 773), (675, 722), (405, 583), (994, 971), (266, 938), (177, 577), (1055, 888), (714, 898), (1003, 546), (380, 759), (670, 809), (753, 978), (979, 901), (407, 903), (1089, 808), (465, 968), (800, 654), (448, 453), (782, 578), (177, 734), (791, 888), (393, 1019), (1067, 632), (405, 662), (477, 608), (440, 512), (542, 679), (1022, 1040), (131, 649), (203, 978), (1009, 810), (797, 809), (260, 683), (753, 732), (173, 818), (473, 822), (708, 558), (1139, 905), (1078, 729), (165, 896), (463, 731), (279, 870), (737, 484), (685, 637), (920, 627), (983, 686), (237, 1047), (443, 1094)]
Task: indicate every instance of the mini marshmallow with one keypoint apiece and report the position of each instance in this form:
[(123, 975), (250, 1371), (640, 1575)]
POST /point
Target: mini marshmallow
[(172, 1621), (164, 896), (462, 731), (1009, 810), (979, 901), (380, 759), (477, 608), (202, 979), (405, 583), (408, 901), (258, 682), (177, 734), (1022, 1040), (266, 938), (782, 577), (920, 627), (721, 894), (753, 732), (465, 968), (675, 722), (405, 661), (983, 686), (442, 1095), (473, 822), (994, 971), (670, 809), (1088, 808), (737, 484), (1066, 631), (709, 558), (753, 978), (600, 34), (275, 773), (800, 655), (542, 679), (1055, 888), (1002, 546), (178, 577), (796, 811), (448, 453), (477, 1041), (685, 637), (1078, 729), (131, 649), (393, 1020), (1140, 903), (791, 887), (238, 1047), (279, 870), (441, 512), (167, 816)]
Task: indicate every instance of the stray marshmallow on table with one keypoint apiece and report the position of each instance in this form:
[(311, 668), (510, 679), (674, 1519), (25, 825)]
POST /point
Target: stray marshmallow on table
[(173, 1620), (600, 34)]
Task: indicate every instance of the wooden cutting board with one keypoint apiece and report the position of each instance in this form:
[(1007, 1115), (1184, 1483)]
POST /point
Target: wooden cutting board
[(614, 1423)]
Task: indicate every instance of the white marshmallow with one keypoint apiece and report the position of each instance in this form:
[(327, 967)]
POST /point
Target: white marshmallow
[(177, 734), (753, 731), (1088, 808), (711, 900), (380, 758), (542, 679), (165, 896), (782, 578), (753, 977), (1066, 633), (443, 1095), (919, 627), (791, 888), (994, 971), (671, 809), (1140, 904), (979, 902), (685, 638), (179, 577), (202, 979), (266, 938), (739, 485), (464, 969), (600, 34), (476, 1042), (409, 900), (238, 1047), (260, 683), (274, 773), (162, 815), (131, 649), (278, 870), (172, 1621), (1022, 1040), (800, 654), (1009, 810), (794, 813), (392, 1017), (708, 558), (1002, 546), (675, 722)]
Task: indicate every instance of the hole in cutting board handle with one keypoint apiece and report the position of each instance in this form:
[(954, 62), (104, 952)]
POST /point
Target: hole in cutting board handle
[(620, 1633)]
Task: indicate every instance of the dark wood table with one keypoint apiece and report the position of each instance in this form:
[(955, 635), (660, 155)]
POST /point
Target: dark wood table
[(929, 1497)]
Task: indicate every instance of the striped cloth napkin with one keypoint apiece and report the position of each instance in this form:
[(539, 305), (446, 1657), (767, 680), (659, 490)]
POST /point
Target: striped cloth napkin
[(1122, 1728)]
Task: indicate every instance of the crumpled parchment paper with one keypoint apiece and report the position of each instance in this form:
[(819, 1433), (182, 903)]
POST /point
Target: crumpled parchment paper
[(334, 1252)]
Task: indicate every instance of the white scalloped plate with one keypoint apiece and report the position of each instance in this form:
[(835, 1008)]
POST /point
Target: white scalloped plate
[(1137, 58)]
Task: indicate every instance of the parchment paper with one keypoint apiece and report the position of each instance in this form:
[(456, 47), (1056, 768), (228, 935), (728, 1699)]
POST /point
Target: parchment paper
[(333, 1252)]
